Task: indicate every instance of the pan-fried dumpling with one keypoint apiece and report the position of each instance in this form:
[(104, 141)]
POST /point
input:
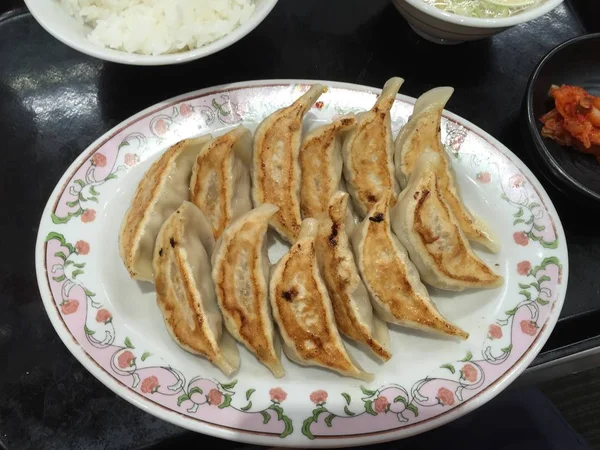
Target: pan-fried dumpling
[(164, 186), (349, 297), (240, 273), (276, 171), (321, 165), (396, 290), (184, 289), (220, 184), (423, 133), (426, 226), (368, 149), (302, 309)]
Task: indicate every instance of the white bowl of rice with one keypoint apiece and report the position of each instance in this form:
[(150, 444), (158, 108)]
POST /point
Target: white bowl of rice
[(149, 32), (456, 21)]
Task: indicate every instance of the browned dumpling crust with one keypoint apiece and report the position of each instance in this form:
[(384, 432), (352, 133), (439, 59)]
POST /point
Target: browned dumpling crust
[(276, 171), (303, 312), (427, 227), (184, 290), (368, 150), (240, 273), (392, 279), (423, 133), (352, 307)]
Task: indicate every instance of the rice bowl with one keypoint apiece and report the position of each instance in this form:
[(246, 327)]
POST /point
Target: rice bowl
[(149, 32)]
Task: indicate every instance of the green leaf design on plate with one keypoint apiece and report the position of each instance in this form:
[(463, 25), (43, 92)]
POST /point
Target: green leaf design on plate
[(54, 235), (145, 355), (247, 407), (88, 292), (123, 144), (60, 278), (288, 428), (507, 349), (347, 398), (329, 419), (543, 278), (450, 367), (413, 409), (348, 412), (110, 176), (511, 312), (195, 390), (518, 221), (266, 416), (226, 402), (541, 301), (539, 227), (93, 191), (76, 273), (94, 199), (527, 294), (182, 398), (519, 213), (249, 392), (533, 205), (369, 408), (367, 392), (128, 343), (88, 331), (68, 263), (61, 255), (60, 220), (469, 357), (80, 265), (524, 286), (229, 386), (73, 203), (535, 285), (400, 399), (81, 183)]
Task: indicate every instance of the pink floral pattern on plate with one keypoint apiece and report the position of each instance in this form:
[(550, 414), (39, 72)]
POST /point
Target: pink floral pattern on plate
[(278, 411)]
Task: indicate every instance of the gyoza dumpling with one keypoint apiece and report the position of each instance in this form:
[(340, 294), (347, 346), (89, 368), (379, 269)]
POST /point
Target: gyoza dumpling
[(302, 309), (321, 165), (368, 149), (349, 297), (240, 273), (184, 289), (276, 171), (426, 226), (220, 184), (396, 290), (423, 133), (164, 186)]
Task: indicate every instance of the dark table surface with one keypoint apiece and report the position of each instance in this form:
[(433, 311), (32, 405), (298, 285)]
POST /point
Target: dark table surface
[(55, 101)]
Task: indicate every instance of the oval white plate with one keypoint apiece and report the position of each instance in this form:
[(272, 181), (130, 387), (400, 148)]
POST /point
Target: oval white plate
[(113, 326)]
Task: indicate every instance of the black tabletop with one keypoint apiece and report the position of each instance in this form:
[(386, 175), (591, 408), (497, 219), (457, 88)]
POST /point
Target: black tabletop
[(55, 101)]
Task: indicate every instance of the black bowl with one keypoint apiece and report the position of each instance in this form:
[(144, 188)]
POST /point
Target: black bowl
[(575, 62)]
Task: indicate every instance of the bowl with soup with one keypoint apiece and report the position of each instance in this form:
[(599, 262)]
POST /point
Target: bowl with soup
[(456, 21)]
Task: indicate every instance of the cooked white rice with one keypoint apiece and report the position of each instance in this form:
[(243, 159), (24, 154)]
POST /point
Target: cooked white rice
[(154, 27)]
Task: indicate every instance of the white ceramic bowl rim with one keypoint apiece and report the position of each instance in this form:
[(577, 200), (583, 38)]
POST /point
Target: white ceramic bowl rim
[(523, 17), (86, 46)]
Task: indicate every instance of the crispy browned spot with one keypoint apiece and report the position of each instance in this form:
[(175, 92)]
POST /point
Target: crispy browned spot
[(377, 218)]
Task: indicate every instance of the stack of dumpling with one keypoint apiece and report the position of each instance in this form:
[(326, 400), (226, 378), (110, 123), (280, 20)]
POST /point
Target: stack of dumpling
[(197, 227)]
